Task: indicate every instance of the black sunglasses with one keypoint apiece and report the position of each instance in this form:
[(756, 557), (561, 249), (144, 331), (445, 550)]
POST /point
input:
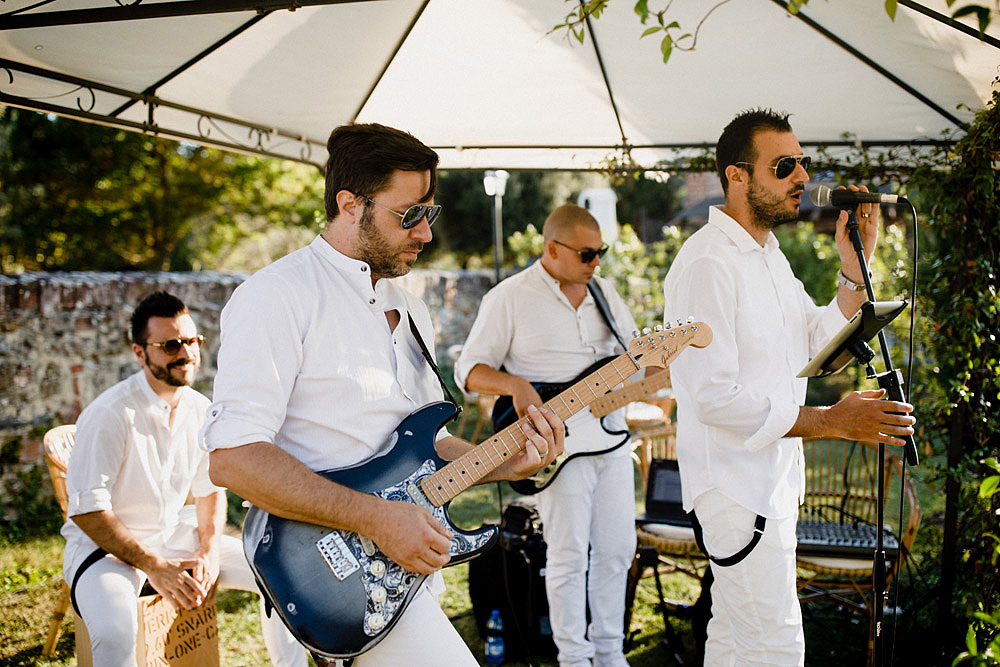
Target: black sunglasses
[(174, 345), (784, 167), (586, 256), (411, 217)]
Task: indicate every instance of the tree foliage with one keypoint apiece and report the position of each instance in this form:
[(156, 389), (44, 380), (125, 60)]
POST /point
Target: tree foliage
[(961, 191), (109, 199)]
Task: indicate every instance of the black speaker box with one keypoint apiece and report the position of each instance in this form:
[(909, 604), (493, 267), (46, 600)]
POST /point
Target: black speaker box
[(511, 577)]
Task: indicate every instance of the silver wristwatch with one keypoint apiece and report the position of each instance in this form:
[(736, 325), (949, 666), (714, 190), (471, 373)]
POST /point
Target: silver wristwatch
[(850, 284)]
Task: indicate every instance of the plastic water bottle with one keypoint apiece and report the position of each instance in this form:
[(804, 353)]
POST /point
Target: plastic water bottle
[(494, 639)]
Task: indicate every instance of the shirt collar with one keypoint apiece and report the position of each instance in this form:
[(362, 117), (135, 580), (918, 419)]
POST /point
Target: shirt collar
[(357, 273), (147, 391), (737, 234), (547, 278)]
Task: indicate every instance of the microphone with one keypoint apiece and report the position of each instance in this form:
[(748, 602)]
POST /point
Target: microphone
[(846, 199)]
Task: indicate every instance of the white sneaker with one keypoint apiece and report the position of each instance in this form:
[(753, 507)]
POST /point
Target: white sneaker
[(610, 660)]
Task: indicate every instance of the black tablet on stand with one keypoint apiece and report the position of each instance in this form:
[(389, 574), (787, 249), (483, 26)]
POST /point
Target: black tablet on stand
[(852, 341)]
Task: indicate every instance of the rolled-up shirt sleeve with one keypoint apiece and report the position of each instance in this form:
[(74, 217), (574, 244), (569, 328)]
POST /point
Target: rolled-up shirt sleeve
[(259, 357), (94, 465)]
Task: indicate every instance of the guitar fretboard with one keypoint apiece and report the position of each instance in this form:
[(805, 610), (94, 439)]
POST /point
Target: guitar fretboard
[(637, 390), (471, 467)]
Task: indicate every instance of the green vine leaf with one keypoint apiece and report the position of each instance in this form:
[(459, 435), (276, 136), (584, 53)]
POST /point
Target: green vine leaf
[(667, 47), (642, 9), (981, 13), (890, 9)]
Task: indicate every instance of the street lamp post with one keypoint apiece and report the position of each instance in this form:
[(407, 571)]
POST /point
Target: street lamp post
[(495, 183)]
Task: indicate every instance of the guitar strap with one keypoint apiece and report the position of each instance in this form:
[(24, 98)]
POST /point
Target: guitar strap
[(728, 561), (95, 555), (602, 308), (430, 360)]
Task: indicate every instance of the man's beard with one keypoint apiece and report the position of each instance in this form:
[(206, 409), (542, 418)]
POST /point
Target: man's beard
[(378, 252), (767, 209), (163, 373)]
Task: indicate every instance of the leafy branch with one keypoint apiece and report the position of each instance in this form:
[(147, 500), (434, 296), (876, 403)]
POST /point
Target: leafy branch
[(674, 37)]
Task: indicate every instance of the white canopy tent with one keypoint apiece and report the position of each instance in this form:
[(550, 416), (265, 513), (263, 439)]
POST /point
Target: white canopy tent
[(486, 82)]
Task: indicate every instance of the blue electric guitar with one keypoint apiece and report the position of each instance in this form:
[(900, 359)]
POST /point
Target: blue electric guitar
[(335, 590)]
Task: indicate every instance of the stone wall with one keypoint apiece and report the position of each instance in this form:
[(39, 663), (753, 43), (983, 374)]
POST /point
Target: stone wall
[(65, 339)]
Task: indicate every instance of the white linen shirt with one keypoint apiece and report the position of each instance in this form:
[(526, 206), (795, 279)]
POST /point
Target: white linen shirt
[(307, 361), (129, 460), (738, 396), (527, 325)]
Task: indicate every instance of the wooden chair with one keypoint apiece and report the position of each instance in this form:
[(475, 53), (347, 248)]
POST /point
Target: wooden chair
[(841, 482), (58, 443)]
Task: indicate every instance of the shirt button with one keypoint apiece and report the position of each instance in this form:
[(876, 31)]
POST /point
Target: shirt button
[(371, 301), (364, 269)]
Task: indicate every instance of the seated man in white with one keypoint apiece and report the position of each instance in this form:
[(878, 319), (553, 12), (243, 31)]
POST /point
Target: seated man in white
[(135, 461)]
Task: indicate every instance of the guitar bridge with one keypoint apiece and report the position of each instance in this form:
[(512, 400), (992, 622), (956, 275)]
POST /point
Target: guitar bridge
[(338, 555)]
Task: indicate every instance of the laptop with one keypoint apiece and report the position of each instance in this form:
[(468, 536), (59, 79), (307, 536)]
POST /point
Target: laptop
[(663, 495)]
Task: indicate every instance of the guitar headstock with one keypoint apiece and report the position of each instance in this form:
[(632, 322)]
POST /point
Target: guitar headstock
[(660, 346)]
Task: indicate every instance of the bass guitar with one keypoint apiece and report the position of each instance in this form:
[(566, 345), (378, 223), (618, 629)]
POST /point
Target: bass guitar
[(335, 590), (696, 334)]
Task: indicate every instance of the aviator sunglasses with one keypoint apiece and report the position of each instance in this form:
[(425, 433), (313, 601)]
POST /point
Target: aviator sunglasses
[(586, 256), (174, 345), (784, 167), (411, 217)]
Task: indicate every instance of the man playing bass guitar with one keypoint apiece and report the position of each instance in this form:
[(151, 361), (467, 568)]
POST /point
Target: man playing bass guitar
[(321, 358), (588, 511)]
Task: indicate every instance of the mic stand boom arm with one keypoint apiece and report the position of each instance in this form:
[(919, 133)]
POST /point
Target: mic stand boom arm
[(892, 381)]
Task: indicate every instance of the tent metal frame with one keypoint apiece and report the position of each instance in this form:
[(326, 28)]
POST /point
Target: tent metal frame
[(263, 140)]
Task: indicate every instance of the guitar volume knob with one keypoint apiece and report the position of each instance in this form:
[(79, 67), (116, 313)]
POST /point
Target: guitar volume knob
[(376, 621), (377, 568)]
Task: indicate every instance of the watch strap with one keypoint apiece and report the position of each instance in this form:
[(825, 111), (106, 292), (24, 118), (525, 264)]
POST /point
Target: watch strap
[(850, 284)]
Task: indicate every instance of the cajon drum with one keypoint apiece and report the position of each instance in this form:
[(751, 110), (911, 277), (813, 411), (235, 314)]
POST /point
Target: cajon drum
[(167, 637)]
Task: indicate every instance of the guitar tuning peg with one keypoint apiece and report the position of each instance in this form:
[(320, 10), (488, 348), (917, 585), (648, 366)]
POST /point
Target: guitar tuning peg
[(635, 334), (646, 331), (680, 323), (658, 328), (690, 319), (667, 326)]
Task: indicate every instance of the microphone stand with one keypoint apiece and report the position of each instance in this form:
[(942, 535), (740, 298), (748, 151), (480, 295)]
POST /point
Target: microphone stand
[(892, 381)]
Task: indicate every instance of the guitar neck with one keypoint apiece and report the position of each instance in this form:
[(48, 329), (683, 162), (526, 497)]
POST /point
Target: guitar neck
[(620, 397), (474, 465)]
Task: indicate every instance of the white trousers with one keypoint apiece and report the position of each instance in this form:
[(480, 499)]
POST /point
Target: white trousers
[(423, 637), (756, 618), (589, 510), (108, 593)]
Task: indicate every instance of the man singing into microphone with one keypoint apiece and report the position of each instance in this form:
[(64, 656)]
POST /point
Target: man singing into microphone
[(740, 412)]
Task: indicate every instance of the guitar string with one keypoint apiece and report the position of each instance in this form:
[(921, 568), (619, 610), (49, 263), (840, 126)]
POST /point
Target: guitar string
[(438, 495)]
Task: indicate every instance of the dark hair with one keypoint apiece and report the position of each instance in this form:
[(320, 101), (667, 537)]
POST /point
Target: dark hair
[(736, 143), (157, 304), (363, 158)]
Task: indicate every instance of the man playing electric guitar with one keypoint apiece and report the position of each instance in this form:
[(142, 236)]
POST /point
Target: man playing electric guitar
[(588, 511), (321, 358)]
